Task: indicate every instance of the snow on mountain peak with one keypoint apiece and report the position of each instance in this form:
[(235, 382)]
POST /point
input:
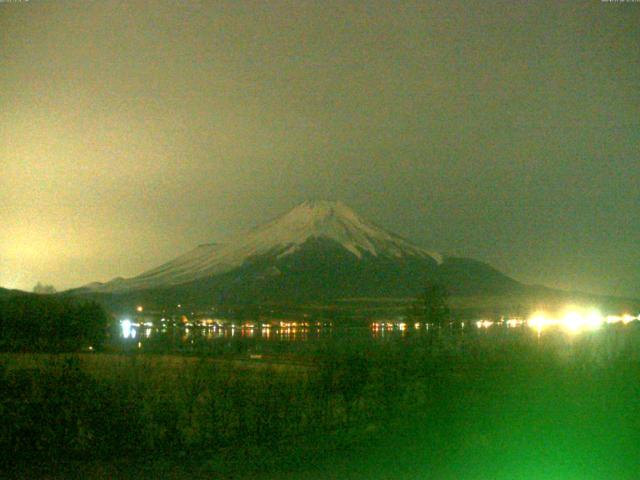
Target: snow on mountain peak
[(336, 221), (282, 236)]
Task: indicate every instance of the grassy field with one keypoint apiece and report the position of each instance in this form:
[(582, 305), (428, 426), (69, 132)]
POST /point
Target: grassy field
[(504, 405), (115, 365)]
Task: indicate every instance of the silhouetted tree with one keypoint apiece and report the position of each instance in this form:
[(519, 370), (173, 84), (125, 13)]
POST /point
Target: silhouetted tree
[(47, 323), (44, 289), (435, 302)]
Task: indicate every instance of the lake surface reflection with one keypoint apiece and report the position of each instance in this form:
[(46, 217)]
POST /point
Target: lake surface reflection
[(140, 332), (293, 332)]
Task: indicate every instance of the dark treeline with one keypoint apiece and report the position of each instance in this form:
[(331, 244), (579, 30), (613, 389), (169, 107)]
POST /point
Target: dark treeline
[(36, 323)]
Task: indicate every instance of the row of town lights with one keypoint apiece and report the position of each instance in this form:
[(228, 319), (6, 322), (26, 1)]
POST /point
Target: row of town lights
[(573, 320)]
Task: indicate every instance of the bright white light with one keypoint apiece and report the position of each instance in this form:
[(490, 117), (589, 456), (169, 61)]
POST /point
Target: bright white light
[(593, 320), (572, 322), (540, 321), (626, 318), (575, 320), (484, 323), (614, 319), (125, 325)]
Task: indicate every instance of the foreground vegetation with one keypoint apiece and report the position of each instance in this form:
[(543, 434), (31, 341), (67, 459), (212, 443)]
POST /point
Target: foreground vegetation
[(434, 400), (45, 323)]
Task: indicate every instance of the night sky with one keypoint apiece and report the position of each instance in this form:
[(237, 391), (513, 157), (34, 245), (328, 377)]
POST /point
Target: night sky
[(505, 131)]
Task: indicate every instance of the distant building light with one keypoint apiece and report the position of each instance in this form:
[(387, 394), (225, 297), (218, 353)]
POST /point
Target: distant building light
[(125, 326), (484, 323)]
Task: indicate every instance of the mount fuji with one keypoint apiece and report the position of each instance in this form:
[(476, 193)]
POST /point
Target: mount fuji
[(319, 250)]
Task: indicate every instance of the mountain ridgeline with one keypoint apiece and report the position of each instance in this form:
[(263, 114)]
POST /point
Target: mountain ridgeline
[(319, 251)]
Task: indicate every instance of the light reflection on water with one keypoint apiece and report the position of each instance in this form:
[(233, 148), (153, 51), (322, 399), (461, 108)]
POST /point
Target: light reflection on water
[(273, 333), (188, 334)]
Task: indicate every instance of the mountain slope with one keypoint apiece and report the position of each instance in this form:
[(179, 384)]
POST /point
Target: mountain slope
[(280, 238), (319, 251)]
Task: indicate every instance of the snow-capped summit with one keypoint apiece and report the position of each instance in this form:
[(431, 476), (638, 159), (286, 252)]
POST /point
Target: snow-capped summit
[(320, 219), (335, 221)]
